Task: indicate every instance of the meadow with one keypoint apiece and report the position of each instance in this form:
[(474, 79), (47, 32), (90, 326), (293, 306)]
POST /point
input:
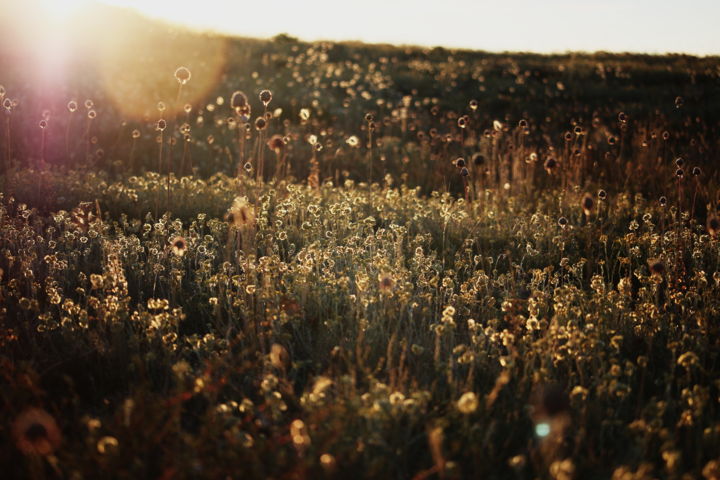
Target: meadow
[(237, 258)]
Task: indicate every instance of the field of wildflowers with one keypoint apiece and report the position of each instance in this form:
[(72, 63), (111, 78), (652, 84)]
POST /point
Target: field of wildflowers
[(354, 261)]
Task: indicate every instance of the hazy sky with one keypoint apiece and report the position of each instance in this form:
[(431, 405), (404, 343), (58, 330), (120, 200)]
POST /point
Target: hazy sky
[(655, 26)]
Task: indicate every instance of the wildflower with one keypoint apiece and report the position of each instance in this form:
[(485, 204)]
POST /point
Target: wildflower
[(711, 471), (265, 97), (238, 100), (713, 226), (276, 143), (182, 75), (563, 222), (299, 433), (36, 432), (279, 357), (460, 162), (550, 165), (657, 267), (260, 123), (468, 403), (241, 214), (82, 216), (562, 469), (386, 282), (161, 125), (602, 195), (179, 245), (328, 462), (107, 445), (72, 106)]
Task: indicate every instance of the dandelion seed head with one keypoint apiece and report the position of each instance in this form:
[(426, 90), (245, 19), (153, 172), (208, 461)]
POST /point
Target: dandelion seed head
[(182, 75)]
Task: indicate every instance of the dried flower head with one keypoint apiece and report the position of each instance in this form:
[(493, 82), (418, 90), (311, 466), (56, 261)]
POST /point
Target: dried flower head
[(550, 165), (178, 245), (467, 403), (279, 357), (656, 266), (238, 100), (182, 75), (265, 97), (36, 432), (276, 143), (241, 213), (386, 282)]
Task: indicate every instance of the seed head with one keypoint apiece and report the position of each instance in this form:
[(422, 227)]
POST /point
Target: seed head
[(36, 433), (276, 143), (550, 165), (656, 266), (182, 75), (241, 213), (178, 245), (265, 97)]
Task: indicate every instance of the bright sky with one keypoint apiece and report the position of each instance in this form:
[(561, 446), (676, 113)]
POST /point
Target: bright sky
[(652, 26)]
